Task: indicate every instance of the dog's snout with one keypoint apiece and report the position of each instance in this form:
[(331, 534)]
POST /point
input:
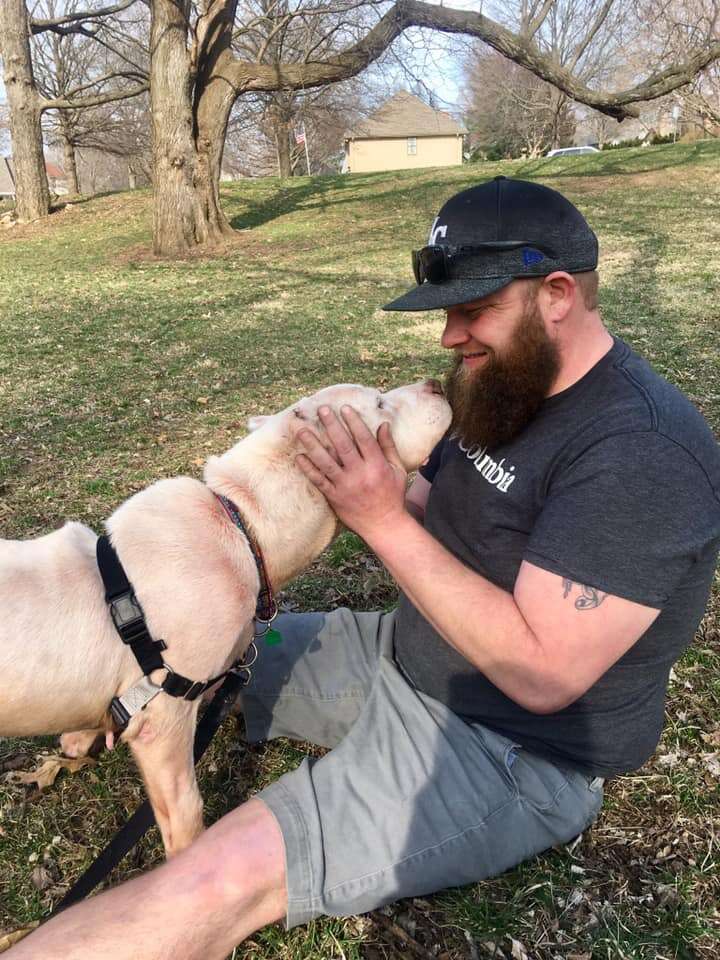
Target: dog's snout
[(434, 386)]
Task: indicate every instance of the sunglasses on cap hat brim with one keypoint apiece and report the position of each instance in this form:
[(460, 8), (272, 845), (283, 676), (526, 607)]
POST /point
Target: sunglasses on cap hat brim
[(432, 264)]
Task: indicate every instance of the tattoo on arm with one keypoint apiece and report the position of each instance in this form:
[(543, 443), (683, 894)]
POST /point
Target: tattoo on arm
[(589, 598)]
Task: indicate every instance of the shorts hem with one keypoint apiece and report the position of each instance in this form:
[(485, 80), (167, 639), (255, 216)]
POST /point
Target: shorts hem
[(298, 860)]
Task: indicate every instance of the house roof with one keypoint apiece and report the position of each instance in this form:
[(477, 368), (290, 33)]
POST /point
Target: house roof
[(7, 174), (405, 115)]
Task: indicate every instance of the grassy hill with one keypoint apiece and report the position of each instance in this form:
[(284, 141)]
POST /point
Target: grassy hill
[(117, 368)]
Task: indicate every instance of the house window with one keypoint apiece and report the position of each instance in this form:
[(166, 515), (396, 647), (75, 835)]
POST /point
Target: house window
[(411, 146)]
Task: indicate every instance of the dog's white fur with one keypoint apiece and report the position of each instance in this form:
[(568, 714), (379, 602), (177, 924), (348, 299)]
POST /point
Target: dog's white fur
[(61, 661)]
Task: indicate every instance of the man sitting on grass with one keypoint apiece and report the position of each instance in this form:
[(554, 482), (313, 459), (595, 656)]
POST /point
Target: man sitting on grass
[(554, 555)]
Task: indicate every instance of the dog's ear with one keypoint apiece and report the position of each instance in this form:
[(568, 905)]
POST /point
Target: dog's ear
[(254, 423)]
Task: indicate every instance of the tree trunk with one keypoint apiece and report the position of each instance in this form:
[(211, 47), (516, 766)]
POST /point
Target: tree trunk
[(283, 141), (179, 220), (32, 193), (212, 115), (132, 177), (71, 174), (280, 116)]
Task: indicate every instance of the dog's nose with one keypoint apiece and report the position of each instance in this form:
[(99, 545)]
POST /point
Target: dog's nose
[(435, 387)]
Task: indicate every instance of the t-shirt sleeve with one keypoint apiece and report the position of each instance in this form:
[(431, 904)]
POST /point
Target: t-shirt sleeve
[(432, 466), (630, 516)]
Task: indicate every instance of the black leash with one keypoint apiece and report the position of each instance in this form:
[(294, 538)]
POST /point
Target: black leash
[(134, 829)]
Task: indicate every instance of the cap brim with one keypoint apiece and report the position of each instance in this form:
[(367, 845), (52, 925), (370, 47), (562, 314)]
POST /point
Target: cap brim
[(437, 296)]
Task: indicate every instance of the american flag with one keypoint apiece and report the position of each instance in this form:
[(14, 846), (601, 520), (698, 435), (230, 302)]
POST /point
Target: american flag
[(300, 135)]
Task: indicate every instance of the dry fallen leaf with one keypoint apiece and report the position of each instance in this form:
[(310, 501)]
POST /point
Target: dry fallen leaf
[(47, 772), (8, 939), (40, 878), (518, 950), (712, 762)]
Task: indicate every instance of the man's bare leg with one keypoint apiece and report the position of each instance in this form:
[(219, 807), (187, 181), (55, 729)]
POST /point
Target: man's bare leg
[(200, 904)]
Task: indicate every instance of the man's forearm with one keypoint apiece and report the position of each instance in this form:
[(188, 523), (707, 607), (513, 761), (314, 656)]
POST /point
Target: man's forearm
[(480, 620)]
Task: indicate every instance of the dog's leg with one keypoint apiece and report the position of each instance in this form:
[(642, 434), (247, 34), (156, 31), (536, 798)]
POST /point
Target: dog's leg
[(79, 743), (164, 754)]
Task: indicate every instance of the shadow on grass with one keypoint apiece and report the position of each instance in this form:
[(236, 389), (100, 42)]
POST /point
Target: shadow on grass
[(288, 197), (620, 162), (316, 193)]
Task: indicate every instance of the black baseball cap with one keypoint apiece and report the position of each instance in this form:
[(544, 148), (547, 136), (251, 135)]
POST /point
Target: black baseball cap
[(487, 236)]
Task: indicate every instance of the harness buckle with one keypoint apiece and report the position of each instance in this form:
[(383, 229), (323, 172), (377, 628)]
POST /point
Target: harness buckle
[(124, 708), (129, 620), (126, 613)]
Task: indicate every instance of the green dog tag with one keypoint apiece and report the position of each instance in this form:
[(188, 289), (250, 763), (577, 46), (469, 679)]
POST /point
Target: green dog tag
[(273, 637)]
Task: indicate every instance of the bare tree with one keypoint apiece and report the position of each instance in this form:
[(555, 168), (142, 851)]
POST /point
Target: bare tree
[(121, 130), (27, 104), (674, 29), (67, 61), (323, 114), (510, 112)]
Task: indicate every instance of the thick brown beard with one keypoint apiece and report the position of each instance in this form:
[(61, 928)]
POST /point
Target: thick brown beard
[(492, 405)]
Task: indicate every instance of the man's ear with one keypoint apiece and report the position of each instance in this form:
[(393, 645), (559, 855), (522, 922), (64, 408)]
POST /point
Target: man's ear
[(559, 289), (254, 423)]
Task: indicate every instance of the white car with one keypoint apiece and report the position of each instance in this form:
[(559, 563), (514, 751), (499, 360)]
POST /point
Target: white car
[(571, 151)]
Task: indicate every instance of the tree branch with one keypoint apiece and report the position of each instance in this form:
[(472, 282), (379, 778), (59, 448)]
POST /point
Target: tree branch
[(538, 20), (246, 76), (64, 103), (39, 26), (590, 36), (124, 74)]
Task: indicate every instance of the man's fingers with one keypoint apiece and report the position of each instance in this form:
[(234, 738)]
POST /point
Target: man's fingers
[(313, 474), (358, 428), (316, 453), (387, 445), (338, 435)]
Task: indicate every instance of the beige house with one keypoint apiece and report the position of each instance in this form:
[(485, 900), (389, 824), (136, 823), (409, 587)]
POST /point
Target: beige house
[(404, 133)]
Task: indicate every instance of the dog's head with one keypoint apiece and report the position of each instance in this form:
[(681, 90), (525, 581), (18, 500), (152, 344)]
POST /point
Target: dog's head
[(418, 415)]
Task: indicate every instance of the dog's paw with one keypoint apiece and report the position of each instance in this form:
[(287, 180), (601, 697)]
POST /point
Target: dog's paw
[(82, 743)]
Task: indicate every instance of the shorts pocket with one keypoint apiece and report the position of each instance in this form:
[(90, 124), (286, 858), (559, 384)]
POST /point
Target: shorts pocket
[(497, 750), (538, 781)]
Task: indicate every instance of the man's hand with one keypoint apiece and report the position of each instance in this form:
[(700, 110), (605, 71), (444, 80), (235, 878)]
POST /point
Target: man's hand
[(361, 477)]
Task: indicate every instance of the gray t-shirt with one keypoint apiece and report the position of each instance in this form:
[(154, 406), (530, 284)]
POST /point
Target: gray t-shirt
[(614, 484)]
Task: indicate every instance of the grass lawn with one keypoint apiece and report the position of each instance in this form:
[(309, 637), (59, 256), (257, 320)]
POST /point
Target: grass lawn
[(117, 369)]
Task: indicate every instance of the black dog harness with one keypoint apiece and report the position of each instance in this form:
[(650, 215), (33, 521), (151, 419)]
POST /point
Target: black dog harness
[(129, 620)]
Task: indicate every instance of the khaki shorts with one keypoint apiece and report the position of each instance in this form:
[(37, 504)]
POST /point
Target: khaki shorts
[(411, 799)]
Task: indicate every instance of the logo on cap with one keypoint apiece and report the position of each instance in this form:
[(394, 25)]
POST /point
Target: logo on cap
[(436, 231), (531, 256)]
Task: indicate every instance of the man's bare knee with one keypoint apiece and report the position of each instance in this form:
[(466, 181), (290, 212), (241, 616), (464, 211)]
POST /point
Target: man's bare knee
[(240, 862)]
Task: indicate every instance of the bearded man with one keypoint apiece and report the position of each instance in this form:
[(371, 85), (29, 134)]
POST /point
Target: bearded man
[(554, 555)]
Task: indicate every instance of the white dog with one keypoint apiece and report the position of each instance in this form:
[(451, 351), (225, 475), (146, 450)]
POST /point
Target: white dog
[(61, 660)]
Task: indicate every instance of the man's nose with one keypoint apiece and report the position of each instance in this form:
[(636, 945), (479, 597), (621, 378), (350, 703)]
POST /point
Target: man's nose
[(455, 332)]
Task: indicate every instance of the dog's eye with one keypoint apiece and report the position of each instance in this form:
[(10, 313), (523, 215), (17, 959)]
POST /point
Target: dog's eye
[(299, 415), (380, 403)]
